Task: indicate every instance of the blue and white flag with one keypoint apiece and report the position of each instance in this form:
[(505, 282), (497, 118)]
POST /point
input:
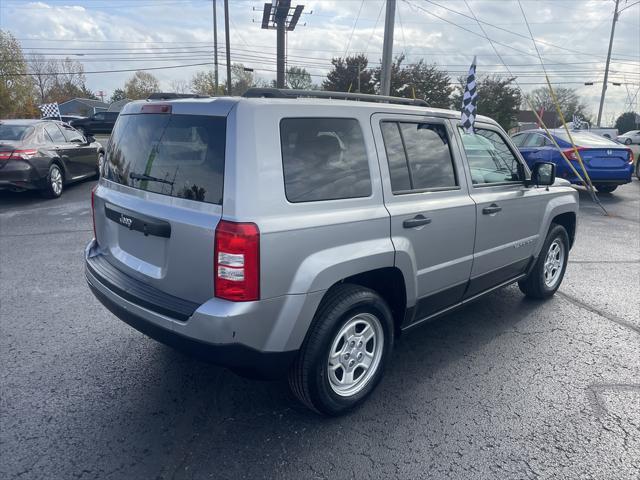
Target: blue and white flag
[(469, 100), (49, 110), (578, 123)]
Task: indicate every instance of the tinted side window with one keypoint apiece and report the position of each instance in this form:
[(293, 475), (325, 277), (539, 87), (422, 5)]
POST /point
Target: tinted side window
[(54, 133), (429, 156), (99, 116), (324, 159), (72, 134), (398, 167), (490, 158)]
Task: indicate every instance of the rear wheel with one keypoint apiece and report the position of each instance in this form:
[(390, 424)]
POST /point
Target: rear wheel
[(548, 272), (54, 182), (606, 188), (345, 352)]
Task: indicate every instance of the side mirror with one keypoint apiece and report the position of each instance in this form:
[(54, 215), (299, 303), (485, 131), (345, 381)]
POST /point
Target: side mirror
[(90, 138), (543, 173)]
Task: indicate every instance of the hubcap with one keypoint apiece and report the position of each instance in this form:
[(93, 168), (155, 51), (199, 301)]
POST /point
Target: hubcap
[(100, 163), (355, 354), (56, 181), (553, 263)]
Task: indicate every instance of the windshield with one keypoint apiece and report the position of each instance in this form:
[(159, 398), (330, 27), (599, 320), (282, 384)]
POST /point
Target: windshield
[(586, 139), (177, 155), (13, 132)]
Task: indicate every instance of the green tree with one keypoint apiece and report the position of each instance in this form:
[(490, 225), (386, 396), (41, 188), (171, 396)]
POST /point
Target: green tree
[(627, 121), (298, 78), (418, 80), (203, 83), (117, 95), (568, 99), (343, 76), (141, 85), (242, 79), (16, 86), (498, 98)]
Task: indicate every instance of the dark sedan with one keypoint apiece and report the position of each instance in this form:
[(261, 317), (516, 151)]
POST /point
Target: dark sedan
[(101, 122), (45, 155)]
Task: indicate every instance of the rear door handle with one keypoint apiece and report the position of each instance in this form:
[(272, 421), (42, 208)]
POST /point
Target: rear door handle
[(491, 209), (416, 221)]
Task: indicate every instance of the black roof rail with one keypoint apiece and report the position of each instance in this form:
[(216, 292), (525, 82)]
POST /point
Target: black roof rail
[(294, 93), (173, 95)]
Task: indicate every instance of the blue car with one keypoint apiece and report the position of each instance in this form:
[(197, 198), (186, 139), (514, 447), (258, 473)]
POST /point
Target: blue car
[(607, 162)]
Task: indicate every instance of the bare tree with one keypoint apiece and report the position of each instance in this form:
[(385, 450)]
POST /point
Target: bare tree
[(43, 74), (179, 86)]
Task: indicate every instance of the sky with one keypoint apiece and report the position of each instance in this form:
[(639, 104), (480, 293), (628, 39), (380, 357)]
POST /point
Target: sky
[(572, 36)]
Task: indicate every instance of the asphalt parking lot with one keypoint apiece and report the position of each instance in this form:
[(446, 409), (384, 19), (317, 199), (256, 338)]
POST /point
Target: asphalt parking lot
[(505, 388)]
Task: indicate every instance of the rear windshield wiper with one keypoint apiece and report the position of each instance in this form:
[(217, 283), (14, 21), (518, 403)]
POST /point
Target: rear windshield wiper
[(149, 178)]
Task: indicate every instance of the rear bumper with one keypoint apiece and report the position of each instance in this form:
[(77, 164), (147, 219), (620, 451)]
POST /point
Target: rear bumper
[(20, 174), (259, 339), (612, 176)]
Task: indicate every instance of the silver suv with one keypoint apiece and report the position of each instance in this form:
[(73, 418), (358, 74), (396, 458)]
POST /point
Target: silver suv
[(301, 236)]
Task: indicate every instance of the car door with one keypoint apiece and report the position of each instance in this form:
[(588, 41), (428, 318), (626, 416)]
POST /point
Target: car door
[(432, 214), (97, 123), (81, 152), (508, 213), (64, 150), (535, 149)]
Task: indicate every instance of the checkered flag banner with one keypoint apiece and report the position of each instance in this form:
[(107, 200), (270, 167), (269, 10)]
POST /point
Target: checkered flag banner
[(469, 100), (577, 122), (49, 110)]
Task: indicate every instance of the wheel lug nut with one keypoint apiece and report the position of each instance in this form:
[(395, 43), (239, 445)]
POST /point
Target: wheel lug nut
[(352, 363), (352, 343), (360, 344), (347, 355)]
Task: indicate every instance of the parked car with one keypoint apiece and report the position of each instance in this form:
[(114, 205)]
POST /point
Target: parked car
[(101, 122), (632, 136), (608, 163), (294, 236), (45, 155)]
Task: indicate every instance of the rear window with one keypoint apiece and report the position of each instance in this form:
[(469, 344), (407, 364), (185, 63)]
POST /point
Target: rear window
[(586, 139), (177, 155), (14, 132), (324, 159)]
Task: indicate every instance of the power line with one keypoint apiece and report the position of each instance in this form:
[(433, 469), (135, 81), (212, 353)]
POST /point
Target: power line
[(346, 50)]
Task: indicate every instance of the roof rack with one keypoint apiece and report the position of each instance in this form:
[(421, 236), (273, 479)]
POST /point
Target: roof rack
[(173, 95), (294, 93)]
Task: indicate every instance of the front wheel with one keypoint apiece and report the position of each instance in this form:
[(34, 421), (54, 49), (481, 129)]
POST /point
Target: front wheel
[(627, 141), (345, 352), (606, 188), (547, 274)]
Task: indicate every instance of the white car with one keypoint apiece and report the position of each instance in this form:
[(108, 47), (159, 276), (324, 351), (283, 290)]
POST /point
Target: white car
[(632, 136)]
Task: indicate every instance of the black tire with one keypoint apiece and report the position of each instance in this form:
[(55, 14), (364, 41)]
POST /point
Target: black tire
[(309, 375), (627, 141), (54, 183), (534, 285), (606, 188)]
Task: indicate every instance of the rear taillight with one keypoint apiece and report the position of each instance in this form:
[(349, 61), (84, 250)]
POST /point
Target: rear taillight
[(93, 210), (571, 154), (19, 154), (631, 156), (155, 108), (237, 261)]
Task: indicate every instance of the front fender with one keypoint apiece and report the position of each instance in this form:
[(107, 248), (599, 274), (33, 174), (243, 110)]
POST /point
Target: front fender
[(564, 201)]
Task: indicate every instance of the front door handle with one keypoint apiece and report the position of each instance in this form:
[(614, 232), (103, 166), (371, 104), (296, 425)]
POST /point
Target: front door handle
[(491, 209), (416, 221)]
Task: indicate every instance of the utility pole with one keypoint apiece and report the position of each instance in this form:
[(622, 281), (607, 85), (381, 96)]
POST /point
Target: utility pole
[(359, 72), (226, 39), (606, 68), (215, 46), (387, 48), (283, 18)]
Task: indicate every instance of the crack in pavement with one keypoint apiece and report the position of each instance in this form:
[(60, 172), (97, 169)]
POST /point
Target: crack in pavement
[(579, 303)]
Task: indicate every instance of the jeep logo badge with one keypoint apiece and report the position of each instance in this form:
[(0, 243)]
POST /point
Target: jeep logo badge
[(126, 221)]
